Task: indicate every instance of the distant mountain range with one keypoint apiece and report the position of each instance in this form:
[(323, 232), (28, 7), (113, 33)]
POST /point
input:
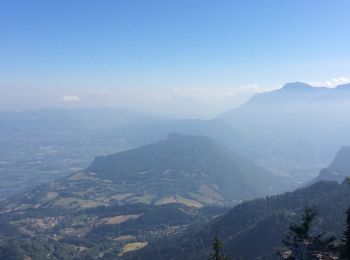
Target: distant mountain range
[(292, 132), (297, 128), (301, 92)]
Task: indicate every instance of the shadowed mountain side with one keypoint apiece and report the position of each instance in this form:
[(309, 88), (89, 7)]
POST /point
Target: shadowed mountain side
[(192, 167), (339, 168)]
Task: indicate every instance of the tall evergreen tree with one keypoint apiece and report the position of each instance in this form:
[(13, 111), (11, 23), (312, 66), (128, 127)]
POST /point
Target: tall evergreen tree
[(217, 248), (345, 245), (298, 234), (303, 246)]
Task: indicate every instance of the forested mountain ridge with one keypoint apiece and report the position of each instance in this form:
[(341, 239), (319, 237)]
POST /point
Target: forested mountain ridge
[(255, 229)]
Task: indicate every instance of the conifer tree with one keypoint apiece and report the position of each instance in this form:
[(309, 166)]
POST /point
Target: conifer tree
[(217, 248), (345, 245), (300, 233)]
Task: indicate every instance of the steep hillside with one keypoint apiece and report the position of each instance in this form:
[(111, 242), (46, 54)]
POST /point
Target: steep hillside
[(339, 168), (255, 229)]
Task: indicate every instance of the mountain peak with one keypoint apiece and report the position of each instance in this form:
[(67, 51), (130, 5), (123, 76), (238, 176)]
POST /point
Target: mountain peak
[(187, 138), (340, 162), (297, 86), (179, 136)]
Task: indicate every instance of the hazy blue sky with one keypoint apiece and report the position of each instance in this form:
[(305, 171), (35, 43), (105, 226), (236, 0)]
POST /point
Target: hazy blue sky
[(87, 52)]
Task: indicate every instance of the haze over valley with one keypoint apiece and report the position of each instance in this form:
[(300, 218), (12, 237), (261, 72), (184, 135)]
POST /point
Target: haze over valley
[(174, 130)]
